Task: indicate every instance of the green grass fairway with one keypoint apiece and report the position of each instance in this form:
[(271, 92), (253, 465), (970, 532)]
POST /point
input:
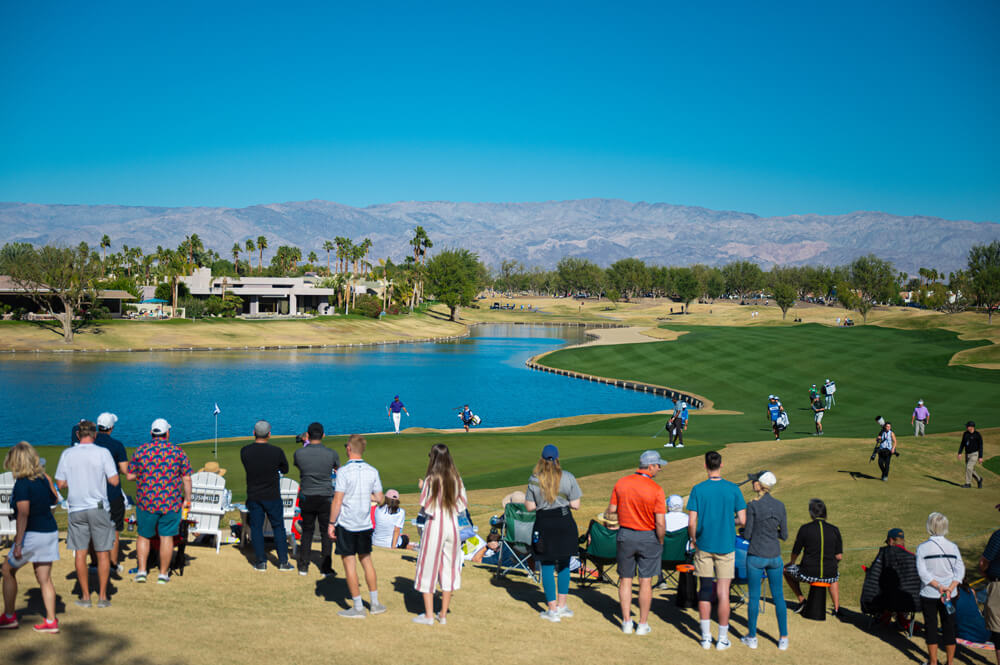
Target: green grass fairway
[(878, 371)]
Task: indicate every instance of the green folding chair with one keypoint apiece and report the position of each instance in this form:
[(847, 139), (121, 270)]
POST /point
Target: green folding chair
[(599, 546), (516, 538)]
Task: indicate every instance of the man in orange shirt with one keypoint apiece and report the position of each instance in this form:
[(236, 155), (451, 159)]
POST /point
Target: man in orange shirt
[(640, 505)]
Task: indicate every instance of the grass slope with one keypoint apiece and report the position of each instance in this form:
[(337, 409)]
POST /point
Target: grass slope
[(879, 371)]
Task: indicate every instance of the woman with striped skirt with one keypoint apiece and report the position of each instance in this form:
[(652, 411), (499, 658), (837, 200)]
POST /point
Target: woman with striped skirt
[(439, 563)]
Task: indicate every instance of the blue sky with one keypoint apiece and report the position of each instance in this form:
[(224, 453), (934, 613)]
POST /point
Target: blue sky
[(772, 108)]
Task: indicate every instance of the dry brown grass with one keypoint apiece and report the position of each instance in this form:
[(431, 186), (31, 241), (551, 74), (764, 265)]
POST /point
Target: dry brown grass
[(221, 611)]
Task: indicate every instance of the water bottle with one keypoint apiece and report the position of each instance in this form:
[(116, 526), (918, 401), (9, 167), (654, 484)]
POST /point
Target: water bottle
[(949, 606)]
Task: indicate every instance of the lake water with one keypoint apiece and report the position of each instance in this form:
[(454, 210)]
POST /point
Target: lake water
[(345, 389)]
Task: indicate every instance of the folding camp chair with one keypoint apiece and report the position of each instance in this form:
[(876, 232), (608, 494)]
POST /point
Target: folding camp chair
[(208, 505), (599, 546), (674, 553), (740, 587), (516, 537)]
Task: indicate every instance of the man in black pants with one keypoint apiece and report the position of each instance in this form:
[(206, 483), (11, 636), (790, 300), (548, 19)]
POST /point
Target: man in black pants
[(316, 464), (885, 448), (264, 463), (972, 447)]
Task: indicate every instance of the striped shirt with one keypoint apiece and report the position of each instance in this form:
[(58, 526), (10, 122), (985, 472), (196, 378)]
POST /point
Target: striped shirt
[(357, 480), (938, 560)]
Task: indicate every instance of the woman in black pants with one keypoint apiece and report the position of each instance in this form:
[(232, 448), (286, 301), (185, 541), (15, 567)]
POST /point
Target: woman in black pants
[(941, 570)]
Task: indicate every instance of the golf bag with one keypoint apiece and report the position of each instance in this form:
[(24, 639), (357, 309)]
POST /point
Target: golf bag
[(782, 421)]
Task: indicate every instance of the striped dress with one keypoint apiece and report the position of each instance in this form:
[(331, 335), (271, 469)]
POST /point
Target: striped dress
[(440, 558)]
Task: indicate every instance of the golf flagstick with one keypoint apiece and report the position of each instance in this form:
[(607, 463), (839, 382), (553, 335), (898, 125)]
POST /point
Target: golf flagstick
[(216, 412)]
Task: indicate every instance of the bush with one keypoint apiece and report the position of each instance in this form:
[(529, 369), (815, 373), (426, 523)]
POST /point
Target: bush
[(193, 308), (98, 313), (228, 308), (165, 292), (369, 306)]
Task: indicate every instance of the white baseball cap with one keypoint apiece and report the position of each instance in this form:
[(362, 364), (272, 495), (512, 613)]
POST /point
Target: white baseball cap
[(920, 402), (159, 427), (767, 479), (675, 502), (106, 420)]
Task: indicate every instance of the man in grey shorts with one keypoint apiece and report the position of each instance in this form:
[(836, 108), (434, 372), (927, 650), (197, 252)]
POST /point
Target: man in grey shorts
[(640, 506), (87, 469)]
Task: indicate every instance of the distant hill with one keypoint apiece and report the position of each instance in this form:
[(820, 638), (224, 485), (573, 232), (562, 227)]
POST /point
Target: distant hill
[(603, 230)]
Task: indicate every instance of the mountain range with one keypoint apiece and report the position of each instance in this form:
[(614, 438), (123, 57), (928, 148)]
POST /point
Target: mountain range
[(537, 234)]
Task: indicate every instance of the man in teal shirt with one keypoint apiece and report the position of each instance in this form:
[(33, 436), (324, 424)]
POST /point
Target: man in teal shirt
[(715, 507)]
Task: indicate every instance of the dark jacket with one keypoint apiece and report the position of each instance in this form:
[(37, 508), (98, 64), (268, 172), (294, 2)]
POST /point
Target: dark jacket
[(892, 583)]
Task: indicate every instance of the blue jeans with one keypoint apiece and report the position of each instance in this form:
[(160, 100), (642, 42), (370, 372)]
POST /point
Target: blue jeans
[(757, 568), (275, 514)]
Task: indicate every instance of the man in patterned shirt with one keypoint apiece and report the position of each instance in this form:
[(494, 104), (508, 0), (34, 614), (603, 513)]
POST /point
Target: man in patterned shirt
[(162, 475)]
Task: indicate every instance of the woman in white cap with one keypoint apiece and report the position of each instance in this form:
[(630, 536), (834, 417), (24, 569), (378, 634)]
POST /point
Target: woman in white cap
[(767, 522), (553, 494)]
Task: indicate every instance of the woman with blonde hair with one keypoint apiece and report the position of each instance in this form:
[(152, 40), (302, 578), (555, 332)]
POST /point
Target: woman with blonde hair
[(553, 494), (442, 500), (36, 539), (941, 570)]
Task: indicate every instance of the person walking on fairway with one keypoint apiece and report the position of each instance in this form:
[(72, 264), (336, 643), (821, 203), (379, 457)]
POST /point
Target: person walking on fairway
[(972, 446), (885, 448), (395, 409), (675, 430), (466, 415), (818, 411), (774, 411), (351, 525), (921, 416), (715, 507)]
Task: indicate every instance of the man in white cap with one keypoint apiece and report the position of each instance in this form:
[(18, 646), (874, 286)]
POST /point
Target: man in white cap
[(162, 475), (105, 425), (921, 416)]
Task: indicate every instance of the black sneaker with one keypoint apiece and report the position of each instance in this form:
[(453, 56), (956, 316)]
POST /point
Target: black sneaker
[(980, 483), (286, 567), (303, 571), (967, 486), (260, 567), (798, 610)]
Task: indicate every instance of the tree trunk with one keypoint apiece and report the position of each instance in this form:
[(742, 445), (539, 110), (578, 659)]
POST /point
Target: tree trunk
[(454, 313), (66, 319)]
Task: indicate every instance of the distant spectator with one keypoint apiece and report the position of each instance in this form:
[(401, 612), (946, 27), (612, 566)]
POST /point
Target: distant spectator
[(105, 426), (921, 416), (389, 521), (351, 527), (639, 505), (822, 548), (439, 564), (972, 446), (264, 464), (316, 464), (36, 539), (766, 525), (715, 506), (86, 469), (939, 563), (553, 494), (162, 475)]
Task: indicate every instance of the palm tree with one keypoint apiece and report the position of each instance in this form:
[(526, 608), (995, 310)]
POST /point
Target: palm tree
[(251, 248), (261, 246), (421, 242), (105, 243), (236, 256), (365, 245), (328, 247), (313, 258)]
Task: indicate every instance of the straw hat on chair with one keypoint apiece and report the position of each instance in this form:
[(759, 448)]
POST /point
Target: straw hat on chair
[(212, 467)]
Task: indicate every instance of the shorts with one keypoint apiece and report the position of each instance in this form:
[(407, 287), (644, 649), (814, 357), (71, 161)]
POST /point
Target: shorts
[(350, 543), (38, 547), (152, 524), (118, 512), (719, 566), (819, 416), (90, 526), (639, 553)]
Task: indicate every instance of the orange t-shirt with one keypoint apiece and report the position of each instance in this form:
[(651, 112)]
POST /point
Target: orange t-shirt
[(639, 500)]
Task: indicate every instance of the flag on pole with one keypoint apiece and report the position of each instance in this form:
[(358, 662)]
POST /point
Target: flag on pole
[(216, 411)]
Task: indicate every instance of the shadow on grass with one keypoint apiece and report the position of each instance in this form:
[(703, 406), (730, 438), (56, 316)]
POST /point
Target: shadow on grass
[(79, 326), (413, 600), (856, 475), (35, 606), (943, 480), (912, 649), (334, 590), (77, 642)]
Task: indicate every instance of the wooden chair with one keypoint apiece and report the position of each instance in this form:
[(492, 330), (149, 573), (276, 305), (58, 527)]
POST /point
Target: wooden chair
[(8, 526), (208, 505)]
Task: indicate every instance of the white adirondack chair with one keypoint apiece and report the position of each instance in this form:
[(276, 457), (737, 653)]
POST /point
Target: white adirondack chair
[(208, 504), (289, 493), (8, 526)]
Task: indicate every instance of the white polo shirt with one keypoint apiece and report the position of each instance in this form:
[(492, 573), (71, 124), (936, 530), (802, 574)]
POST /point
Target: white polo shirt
[(86, 468), (358, 480)]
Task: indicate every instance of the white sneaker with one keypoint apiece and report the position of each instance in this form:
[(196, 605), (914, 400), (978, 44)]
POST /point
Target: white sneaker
[(783, 644), (722, 645), (550, 615), (627, 627), (423, 619), (706, 644), (642, 629), (440, 619), (749, 641), (564, 612), (668, 445), (680, 445)]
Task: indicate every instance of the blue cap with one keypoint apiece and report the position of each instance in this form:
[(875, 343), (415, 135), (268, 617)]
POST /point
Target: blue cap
[(550, 452)]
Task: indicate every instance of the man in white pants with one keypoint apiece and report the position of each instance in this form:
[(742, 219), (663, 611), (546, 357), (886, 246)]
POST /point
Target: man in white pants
[(395, 409)]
